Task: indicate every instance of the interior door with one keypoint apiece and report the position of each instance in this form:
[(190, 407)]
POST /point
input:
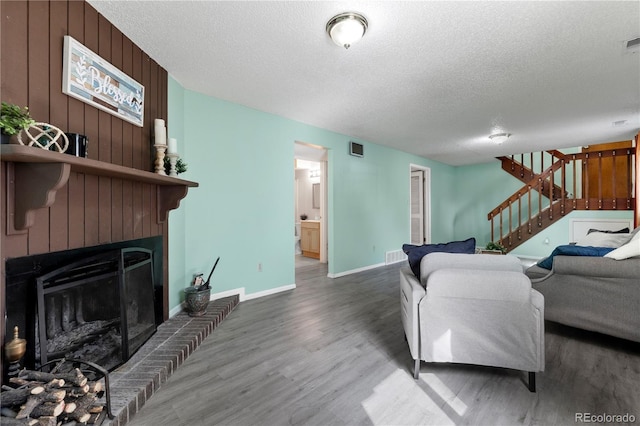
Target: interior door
[(417, 207)]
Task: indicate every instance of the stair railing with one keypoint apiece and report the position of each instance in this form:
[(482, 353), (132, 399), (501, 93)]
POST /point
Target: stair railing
[(528, 166), (527, 209)]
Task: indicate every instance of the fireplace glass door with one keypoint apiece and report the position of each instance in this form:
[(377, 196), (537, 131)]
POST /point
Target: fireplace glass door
[(97, 309)]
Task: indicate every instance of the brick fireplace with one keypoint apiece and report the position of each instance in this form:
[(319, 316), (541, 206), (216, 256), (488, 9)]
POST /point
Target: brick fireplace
[(57, 202), (98, 304)]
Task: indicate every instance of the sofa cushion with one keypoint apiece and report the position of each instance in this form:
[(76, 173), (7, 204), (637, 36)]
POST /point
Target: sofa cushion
[(631, 249), (416, 253), (619, 231), (573, 250), (603, 239)]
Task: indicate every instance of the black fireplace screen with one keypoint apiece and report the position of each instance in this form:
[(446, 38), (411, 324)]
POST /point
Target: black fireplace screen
[(98, 309)]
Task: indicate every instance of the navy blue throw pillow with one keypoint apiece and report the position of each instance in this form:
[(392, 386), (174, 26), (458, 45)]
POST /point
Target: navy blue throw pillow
[(573, 250), (416, 253)]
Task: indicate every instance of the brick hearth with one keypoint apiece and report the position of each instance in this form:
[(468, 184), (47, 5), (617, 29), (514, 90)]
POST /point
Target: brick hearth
[(133, 383)]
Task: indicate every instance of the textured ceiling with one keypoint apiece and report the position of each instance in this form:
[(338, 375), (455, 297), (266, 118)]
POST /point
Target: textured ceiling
[(429, 78)]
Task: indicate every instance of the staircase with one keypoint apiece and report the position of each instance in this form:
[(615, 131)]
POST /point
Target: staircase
[(520, 171), (593, 180)]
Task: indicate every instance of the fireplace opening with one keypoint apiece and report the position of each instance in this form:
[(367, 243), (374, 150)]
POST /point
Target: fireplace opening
[(98, 304), (99, 309)]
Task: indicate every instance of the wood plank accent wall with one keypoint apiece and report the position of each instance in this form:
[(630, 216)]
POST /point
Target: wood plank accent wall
[(90, 210)]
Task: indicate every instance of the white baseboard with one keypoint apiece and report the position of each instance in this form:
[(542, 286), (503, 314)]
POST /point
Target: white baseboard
[(237, 291), (175, 311), (355, 271), (268, 292)]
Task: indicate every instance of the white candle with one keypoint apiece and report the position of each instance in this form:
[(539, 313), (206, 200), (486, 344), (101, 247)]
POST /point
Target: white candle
[(158, 122), (173, 146), (161, 135)]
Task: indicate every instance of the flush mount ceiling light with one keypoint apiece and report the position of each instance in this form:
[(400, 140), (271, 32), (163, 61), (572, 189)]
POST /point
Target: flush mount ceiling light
[(499, 137), (347, 28)]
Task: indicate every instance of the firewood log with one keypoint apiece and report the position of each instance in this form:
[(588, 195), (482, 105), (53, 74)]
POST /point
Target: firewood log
[(47, 421), (80, 416), (96, 409), (8, 421), (34, 401), (81, 413), (69, 407), (19, 396), (75, 377), (77, 391), (93, 418), (48, 409), (95, 387), (20, 382)]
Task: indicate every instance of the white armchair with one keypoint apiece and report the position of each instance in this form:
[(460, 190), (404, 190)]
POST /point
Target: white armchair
[(473, 309)]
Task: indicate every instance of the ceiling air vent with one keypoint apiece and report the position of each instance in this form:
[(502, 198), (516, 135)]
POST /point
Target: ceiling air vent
[(356, 149), (633, 46)]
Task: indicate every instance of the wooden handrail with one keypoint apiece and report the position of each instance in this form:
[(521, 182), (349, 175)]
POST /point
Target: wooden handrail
[(560, 201), (533, 183)]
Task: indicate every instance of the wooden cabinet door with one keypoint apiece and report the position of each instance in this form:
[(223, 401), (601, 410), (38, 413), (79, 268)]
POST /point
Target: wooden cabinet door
[(305, 240), (310, 239), (315, 240)]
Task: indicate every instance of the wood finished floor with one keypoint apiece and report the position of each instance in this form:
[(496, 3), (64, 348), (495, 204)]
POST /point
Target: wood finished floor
[(332, 352)]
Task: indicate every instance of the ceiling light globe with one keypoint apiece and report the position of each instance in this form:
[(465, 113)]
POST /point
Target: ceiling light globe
[(346, 28), (499, 137)]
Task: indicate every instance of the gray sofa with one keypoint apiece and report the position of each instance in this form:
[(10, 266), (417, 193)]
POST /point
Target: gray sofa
[(592, 293)]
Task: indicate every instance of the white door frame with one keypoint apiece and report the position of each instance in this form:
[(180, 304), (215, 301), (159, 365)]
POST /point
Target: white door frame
[(324, 205), (324, 223), (427, 200)]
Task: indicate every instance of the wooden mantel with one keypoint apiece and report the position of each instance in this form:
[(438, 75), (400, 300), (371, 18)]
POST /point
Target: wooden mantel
[(34, 175)]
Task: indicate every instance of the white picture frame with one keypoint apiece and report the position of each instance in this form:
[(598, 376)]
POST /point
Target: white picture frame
[(88, 77)]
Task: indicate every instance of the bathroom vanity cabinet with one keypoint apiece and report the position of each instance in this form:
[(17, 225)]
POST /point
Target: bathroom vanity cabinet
[(310, 238)]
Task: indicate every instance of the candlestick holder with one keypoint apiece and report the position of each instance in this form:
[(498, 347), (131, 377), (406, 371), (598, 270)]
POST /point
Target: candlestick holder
[(173, 159), (160, 149)]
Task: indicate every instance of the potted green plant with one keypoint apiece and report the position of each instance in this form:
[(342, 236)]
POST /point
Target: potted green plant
[(494, 246), (13, 119), (181, 166)]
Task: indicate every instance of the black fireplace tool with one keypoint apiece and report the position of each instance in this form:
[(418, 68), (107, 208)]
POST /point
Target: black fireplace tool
[(206, 285)]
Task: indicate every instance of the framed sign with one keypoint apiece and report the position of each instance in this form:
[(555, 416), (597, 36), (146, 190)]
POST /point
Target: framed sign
[(88, 77)]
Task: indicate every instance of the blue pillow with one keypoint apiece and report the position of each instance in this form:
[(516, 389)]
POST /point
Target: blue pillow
[(416, 253), (573, 250)]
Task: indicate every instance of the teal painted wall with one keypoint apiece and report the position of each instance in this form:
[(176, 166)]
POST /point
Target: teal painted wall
[(479, 189), (242, 210), (177, 241)]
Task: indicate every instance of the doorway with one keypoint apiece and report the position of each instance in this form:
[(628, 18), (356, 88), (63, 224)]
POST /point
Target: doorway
[(310, 204), (420, 205)]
